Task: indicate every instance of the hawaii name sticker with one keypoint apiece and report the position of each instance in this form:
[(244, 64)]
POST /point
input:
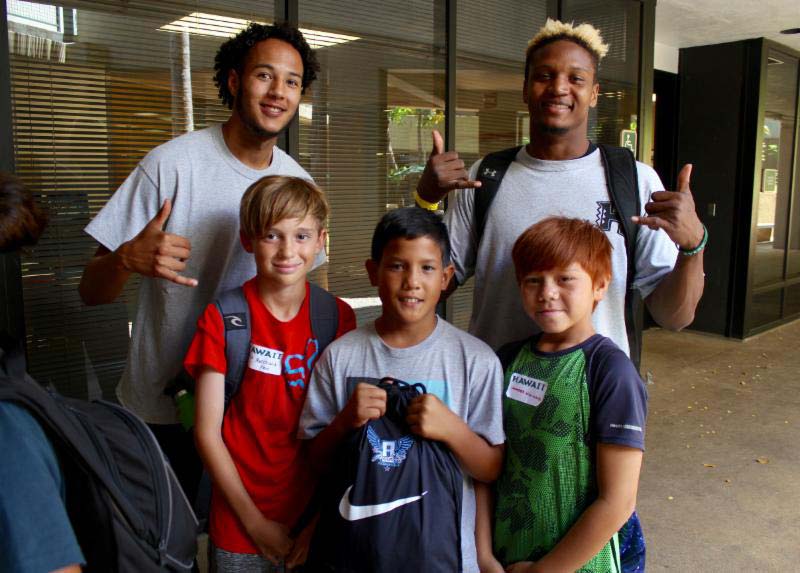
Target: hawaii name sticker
[(266, 360), (527, 390)]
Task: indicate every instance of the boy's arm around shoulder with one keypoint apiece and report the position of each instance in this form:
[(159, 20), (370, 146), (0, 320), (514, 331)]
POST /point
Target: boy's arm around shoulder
[(478, 441)]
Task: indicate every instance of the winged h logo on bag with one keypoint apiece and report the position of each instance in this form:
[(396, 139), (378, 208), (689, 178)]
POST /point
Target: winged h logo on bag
[(388, 453), (392, 502)]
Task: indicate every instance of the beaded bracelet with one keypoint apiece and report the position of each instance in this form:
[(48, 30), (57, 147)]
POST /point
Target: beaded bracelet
[(425, 204), (698, 248)]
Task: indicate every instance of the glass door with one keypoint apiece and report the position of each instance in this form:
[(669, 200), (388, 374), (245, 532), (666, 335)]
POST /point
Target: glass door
[(776, 255)]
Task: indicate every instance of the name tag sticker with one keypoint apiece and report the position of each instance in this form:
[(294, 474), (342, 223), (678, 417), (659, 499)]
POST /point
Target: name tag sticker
[(526, 390), (266, 360)]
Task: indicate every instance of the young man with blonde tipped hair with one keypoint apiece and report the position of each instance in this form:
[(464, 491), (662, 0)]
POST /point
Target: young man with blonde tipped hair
[(561, 172)]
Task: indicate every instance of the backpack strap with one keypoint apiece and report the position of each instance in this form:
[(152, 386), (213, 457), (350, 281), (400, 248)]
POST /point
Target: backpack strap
[(232, 306), (623, 189), (55, 417), (324, 312), (491, 172)]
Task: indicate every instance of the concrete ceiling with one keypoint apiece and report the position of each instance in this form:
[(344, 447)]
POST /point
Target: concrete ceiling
[(685, 23)]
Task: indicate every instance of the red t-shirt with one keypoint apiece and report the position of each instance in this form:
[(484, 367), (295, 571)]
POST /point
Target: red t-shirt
[(260, 424)]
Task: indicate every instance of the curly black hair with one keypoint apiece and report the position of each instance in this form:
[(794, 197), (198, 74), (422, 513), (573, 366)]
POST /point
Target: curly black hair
[(233, 53)]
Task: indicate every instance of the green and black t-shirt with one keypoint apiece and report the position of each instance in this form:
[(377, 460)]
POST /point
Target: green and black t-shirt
[(556, 408)]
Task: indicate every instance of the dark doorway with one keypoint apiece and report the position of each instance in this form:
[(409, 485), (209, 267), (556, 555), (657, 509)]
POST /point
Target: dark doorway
[(665, 88)]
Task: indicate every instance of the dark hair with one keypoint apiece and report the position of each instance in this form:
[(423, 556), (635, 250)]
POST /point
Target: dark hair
[(21, 220), (410, 223), (549, 40), (557, 242), (233, 53)]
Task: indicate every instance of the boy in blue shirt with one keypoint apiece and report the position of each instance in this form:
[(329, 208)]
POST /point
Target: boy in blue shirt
[(574, 414)]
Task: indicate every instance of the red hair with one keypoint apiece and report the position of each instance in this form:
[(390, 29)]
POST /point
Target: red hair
[(557, 242)]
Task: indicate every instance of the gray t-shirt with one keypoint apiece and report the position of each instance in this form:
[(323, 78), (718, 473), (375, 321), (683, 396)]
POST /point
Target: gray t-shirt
[(205, 182), (458, 368), (531, 190)]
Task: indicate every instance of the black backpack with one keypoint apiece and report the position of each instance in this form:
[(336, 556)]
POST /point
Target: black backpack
[(124, 503), (392, 502), (623, 189)]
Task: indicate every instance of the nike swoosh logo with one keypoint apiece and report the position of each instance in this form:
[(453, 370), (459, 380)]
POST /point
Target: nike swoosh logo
[(356, 512)]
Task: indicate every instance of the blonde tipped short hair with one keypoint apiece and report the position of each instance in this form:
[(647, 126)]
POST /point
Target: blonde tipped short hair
[(275, 198), (585, 35)]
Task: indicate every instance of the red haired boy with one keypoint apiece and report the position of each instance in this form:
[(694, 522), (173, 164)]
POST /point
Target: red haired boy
[(574, 413)]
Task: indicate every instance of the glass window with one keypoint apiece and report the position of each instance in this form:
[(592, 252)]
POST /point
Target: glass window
[(93, 90), (618, 101), (365, 132), (490, 113), (774, 191), (766, 308)]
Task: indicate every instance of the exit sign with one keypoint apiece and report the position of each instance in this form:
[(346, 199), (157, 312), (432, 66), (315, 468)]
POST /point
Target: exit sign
[(627, 139)]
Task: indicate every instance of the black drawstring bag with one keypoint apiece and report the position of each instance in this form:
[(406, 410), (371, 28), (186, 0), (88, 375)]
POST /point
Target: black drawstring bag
[(392, 501)]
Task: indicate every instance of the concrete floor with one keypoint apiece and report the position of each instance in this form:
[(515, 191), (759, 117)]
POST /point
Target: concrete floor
[(720, 486)]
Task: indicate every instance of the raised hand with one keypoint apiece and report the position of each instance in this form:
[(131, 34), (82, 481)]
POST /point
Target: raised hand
[(444, 172), (674, 211), (154, 253)]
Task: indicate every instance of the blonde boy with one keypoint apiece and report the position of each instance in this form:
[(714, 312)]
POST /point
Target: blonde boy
[(261, 480)]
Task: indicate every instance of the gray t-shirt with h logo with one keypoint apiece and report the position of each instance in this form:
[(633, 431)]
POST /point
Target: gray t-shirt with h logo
[(533, 189)]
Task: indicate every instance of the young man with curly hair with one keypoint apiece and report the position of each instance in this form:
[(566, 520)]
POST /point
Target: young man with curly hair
[(174, 221)]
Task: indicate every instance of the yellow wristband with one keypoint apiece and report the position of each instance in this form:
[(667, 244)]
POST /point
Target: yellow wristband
[(425, 204)]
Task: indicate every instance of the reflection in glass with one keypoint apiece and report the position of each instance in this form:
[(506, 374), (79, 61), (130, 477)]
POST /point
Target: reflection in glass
[(490, 112), (774, 190), (792, 300), (793, 246), (618, 100), (766, 308), (365, 134), (93, 89)]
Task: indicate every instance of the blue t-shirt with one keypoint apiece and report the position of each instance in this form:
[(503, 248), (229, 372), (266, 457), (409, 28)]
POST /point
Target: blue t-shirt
[(35, 532)]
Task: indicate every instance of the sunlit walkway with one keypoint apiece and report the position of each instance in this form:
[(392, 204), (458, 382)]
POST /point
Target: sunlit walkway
[(720, 488)]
